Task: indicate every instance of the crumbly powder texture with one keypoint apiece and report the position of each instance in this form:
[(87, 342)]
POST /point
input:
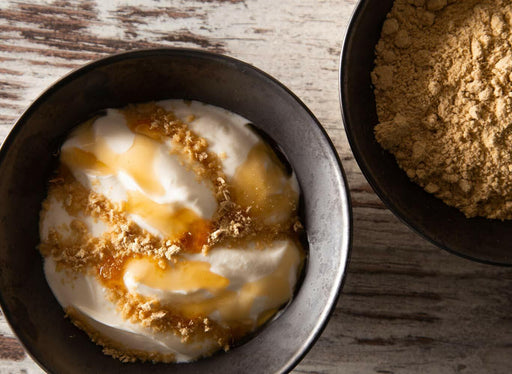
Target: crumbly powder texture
[(105, 256), (443, 87), (159, 124), (80, 251)]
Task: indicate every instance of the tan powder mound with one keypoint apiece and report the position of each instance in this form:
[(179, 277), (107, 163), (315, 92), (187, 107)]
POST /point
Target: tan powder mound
[(443, 81)]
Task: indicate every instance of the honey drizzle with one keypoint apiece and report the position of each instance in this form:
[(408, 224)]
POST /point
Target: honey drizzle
[(239, 218), (157, 123)]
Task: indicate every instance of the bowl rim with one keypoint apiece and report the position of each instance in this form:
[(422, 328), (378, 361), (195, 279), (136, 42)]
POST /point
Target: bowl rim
[(363, 165), (342, 186)]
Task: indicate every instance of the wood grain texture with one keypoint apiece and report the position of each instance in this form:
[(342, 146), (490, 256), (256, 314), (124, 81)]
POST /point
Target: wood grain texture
[(407, 306)]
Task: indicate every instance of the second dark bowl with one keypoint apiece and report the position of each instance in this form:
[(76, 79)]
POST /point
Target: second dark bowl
[(477, 239)]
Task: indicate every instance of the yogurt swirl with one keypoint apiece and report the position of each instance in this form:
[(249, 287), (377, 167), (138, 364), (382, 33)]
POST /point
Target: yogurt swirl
[(169, 231)]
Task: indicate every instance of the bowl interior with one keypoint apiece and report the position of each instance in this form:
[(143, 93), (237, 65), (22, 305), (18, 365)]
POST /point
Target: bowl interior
[(26, 162), (476, 238)]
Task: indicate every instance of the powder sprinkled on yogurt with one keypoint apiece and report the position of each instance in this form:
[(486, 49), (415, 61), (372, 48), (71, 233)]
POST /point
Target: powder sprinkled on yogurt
[(160, 248), (443, 87)]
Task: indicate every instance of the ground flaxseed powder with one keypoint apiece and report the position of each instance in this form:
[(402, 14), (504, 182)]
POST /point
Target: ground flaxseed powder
[(443, 87)]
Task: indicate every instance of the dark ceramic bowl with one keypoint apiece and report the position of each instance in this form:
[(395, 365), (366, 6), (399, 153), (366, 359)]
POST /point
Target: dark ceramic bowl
[(477, 239), (27, 159)]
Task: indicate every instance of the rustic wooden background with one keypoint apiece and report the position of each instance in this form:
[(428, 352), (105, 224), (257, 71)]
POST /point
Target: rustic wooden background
[(407, 306)]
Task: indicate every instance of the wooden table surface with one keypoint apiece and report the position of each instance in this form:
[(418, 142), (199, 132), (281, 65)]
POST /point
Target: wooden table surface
[(407, 306)]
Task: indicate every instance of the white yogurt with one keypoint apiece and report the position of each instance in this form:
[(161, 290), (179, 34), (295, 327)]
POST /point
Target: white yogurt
[(241, 274)]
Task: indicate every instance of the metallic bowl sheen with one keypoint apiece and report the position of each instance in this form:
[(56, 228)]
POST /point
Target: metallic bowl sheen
[(27, 159)]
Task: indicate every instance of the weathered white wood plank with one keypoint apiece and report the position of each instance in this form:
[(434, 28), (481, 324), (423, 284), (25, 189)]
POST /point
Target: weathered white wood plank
[(407, 306)]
